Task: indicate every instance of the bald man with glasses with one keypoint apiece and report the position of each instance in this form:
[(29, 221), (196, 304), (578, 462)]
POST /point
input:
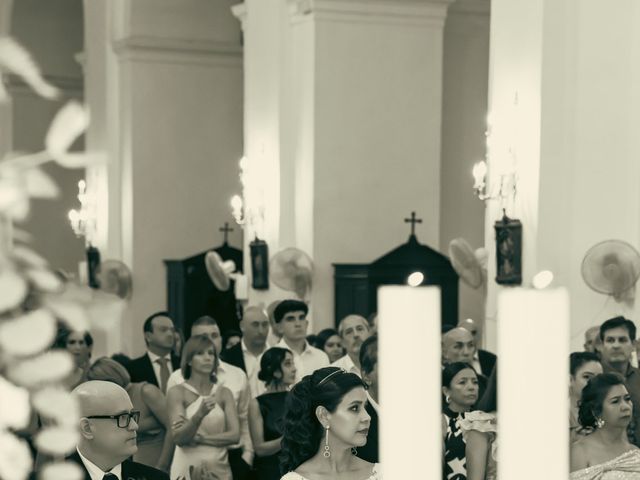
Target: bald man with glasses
[(108, 427)]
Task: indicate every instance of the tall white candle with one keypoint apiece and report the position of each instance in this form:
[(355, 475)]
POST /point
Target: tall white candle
[(410, 378), (533, 399)]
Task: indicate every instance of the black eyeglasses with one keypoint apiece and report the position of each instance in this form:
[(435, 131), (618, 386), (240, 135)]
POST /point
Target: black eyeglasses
[(123, 419)]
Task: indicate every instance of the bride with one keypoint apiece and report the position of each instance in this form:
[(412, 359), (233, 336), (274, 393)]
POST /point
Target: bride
[(607, 453)]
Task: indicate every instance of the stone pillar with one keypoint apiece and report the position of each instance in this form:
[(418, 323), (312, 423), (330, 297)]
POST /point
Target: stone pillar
[(171, 122), (359, 96), (565, 99)]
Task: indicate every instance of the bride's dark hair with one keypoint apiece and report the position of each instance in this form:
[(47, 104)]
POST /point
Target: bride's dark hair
[(302, 431)]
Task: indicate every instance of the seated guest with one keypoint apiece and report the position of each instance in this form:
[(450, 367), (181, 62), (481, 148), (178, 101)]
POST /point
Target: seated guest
[(246, 355), (592, 339), (267, 410), (460, 389), (583, 366), (369, 368), (155, 448), (618, 336), (203, 414), (329, 341), (291, 317), (79, 345), (233, 378), (156, 365), (479, 429), (458, 346), (483, 360), (108, 434), (353, 330), (607, 453), (325, 418)]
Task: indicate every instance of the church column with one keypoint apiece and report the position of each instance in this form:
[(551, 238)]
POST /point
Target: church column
[(171, 122), (564, 99)]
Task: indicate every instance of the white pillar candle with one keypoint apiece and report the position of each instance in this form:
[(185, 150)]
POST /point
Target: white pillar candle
[(533, 399), (409, 372)]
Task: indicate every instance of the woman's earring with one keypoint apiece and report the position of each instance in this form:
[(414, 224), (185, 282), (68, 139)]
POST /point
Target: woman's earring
[(447, 398), (326, 453), (354, 450), (599, 422)]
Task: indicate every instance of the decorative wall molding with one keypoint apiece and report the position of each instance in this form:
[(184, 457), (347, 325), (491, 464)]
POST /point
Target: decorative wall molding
[(471, 7), (402, 12), (73, 86), (148, 49)]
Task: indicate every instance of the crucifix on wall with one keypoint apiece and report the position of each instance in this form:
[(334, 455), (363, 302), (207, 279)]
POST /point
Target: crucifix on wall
[(413, 220), (226, 231)]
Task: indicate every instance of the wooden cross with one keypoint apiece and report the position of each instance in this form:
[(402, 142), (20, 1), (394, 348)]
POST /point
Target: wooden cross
[(413, 220), (226, 231)]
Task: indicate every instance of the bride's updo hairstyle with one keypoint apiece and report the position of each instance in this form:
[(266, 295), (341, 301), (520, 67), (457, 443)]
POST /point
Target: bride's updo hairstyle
[(593, 395), (302, 431)]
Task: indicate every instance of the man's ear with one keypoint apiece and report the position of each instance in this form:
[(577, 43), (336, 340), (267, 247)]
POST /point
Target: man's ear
[(366, 379), (323, 415), (86, 429)]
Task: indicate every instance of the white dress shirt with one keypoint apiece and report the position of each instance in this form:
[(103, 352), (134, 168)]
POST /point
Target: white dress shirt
[(96, 472), (346, 363), (156, 366), (310, 360), (236, 381), (252, 364)]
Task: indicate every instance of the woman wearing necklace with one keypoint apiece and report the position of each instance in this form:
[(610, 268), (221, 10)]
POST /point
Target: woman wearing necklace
[(325, 421), (605, 406), (460, 390), (203, 414), (278, 372)]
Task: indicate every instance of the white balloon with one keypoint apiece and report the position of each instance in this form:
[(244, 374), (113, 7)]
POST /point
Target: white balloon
[(74, 315), (57, 404), (51, 366), (44, 280), (14, 289), (15, 457), (61, 471), (14, 405), (57, 440)]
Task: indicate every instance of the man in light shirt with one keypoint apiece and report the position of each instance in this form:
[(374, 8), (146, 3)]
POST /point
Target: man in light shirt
[(107, 437), (248, 353), (353, 329), (241, 455), (291, 317)]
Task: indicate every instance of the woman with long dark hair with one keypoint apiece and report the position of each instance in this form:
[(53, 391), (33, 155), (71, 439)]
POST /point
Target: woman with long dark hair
[(325, 421), (607, 453), (460, 390), (266, 411)]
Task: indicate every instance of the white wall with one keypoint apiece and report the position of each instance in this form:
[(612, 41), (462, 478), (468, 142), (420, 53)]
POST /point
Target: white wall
[(464, 112), (52, 31)]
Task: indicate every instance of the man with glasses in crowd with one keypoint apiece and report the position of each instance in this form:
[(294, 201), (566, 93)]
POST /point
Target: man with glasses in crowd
[(108, 428)]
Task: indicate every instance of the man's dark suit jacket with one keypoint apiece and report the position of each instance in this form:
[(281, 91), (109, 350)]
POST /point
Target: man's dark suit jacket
[(487, 362), (130, 470), (234, 356), (370, 450), (141, 370)]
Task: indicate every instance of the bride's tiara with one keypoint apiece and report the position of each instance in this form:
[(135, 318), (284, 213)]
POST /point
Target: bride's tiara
[(340, 370)]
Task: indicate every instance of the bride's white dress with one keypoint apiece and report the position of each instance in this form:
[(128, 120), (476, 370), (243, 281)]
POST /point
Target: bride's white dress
[(215, 458), (375, 474)]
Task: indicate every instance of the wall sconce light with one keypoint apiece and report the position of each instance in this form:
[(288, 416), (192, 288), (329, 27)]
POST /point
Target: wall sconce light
[(83, 223), (505, 188)]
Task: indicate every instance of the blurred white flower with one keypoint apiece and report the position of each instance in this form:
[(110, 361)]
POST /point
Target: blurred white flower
[(15, 457), (13, 288), (14, 406), (49, 367), (28, 334), (39, 184), (16, 59), (59, 440), (27, 257), (74, 315), (62, 471), (57, 404), (68, 124), (44, 280), (14, 200)]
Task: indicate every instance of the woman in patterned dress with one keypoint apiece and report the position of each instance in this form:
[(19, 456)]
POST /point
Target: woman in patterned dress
[(460, 390)]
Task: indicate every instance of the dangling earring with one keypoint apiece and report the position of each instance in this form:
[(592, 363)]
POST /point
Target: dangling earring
[(447, 399), (354, 451), (326, 453), (599, 422)]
